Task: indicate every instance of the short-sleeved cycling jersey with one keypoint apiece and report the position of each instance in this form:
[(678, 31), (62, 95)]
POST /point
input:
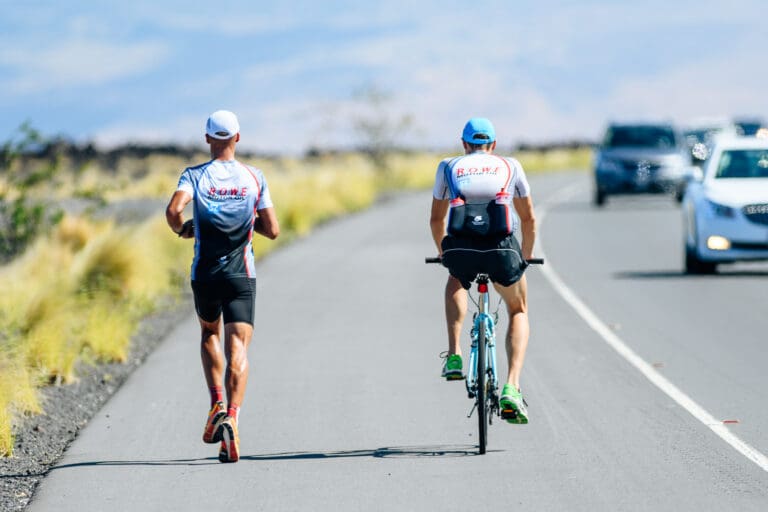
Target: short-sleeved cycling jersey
[(477, 177), (226, 196)]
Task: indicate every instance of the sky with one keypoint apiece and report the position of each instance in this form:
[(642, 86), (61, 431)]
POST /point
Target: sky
[(310, 74)]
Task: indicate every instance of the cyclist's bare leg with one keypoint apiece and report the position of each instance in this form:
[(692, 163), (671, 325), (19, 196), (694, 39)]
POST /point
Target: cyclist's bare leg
[(455, 311), (237, 336), (210, 352), (516, 299)]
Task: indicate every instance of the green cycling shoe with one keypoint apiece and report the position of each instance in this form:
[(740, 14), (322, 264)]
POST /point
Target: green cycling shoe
[(453, 368), (514, 409)]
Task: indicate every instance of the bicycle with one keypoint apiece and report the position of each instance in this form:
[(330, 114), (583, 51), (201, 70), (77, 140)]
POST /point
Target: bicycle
[(482, 382)]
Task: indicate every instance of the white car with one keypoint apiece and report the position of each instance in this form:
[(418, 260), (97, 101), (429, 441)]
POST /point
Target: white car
[(725, 213)]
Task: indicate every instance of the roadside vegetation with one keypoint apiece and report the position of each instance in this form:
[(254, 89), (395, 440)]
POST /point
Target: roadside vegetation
[(76, 280)]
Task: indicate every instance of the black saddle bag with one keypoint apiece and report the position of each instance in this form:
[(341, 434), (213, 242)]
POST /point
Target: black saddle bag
[(500, 258), (480, 220)]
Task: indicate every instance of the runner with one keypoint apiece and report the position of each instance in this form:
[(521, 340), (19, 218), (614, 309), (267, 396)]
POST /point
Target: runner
[(230, 201)]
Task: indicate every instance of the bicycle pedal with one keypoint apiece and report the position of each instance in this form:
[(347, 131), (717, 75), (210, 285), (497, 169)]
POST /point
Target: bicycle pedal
[(454, 377), (508, 414)]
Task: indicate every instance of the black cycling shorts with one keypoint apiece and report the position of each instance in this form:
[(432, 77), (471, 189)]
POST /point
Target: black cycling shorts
[(234, 297), (500, 258)]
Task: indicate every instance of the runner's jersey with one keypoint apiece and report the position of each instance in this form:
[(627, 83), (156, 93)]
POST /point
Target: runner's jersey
[(226, 196), (477, 178)]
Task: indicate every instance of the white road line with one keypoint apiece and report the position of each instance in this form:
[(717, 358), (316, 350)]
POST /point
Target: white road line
[(630, 355)]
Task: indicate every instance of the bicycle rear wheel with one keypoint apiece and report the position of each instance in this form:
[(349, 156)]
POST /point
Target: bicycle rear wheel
[(482, 403)]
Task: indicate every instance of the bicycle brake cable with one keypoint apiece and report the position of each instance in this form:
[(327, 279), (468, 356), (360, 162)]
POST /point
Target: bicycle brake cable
[(477, 305), (496, 312)]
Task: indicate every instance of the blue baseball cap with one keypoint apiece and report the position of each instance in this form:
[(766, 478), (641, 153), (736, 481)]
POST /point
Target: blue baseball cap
[(478, 130)]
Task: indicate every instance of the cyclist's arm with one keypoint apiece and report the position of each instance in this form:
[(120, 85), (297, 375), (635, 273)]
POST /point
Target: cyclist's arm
[(174, 212), (524, 208), (266, 223), (437, 221)]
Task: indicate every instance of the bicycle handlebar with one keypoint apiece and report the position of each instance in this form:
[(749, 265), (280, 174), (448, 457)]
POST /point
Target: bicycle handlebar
[(532, 261)]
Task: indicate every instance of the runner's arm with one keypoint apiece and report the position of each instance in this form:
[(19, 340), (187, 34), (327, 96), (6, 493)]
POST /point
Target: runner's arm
[(524, 208), (174, 213), (437, 221), (266, 223)]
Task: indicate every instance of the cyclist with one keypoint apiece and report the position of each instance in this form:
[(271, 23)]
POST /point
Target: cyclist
[(230, 201), (475, 178)]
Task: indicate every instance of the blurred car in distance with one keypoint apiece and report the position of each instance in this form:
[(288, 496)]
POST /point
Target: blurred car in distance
[(700, 136), (707, 130), (749, 126), (639, 158), (725, 214)]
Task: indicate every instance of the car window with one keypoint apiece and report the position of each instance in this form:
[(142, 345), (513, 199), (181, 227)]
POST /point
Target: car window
[(640, 136), (743, 163), (748, 128)]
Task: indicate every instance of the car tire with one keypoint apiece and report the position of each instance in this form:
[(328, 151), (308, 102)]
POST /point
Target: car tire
[(679, 193), (600, 197), (694, 265)]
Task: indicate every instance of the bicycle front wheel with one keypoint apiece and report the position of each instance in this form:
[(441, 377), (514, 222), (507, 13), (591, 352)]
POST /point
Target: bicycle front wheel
[(482, 403)]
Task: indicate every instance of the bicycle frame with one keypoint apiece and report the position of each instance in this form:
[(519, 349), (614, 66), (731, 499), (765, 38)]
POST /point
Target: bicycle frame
[(482, 319), (482, 383)]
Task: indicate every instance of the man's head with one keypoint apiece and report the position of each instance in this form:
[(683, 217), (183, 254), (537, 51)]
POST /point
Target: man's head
[(478, 134), (222, 126)]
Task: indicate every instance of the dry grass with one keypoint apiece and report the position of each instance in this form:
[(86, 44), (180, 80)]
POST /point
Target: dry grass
[(555, 160), (79, 292)]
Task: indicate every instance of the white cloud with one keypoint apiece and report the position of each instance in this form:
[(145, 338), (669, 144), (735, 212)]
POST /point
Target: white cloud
[(726, 86), (76, 62)]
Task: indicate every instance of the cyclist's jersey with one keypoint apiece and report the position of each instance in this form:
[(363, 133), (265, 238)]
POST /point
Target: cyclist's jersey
[(226, 196), (477, 178)]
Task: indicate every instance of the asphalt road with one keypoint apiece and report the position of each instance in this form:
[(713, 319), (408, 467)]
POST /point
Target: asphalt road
[(345, 409)]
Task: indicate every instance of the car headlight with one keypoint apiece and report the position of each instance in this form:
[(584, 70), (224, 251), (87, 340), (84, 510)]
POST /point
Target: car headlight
[(718, 243), (721, 210)]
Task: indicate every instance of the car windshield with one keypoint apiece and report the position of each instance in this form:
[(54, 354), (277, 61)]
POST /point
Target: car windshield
[(640, 136), (749, 128), (743, 163), (703, 134)]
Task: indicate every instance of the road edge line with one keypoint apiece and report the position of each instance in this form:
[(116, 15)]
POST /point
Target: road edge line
[(629, 355)]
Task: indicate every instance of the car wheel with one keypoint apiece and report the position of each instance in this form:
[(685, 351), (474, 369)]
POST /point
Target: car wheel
[(679, 193), (693, 265), (600, 197)]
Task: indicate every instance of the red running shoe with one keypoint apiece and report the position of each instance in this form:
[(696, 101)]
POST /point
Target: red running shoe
[(212, 432), (230, 441)]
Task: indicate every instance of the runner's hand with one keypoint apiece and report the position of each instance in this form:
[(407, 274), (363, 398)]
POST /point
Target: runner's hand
[(187, 229)]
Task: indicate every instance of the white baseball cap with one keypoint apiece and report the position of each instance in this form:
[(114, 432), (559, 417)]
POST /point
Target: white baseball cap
[(222, 125)]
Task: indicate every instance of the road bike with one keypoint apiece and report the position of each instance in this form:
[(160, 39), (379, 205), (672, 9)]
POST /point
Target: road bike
[(482, 379)]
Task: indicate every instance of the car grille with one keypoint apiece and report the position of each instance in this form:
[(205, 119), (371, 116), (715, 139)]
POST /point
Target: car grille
[(749, 246), (757, 213), (634, 165)]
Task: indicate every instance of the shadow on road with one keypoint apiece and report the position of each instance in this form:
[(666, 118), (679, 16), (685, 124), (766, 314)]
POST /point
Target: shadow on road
[(381, 453), (389, 452)]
